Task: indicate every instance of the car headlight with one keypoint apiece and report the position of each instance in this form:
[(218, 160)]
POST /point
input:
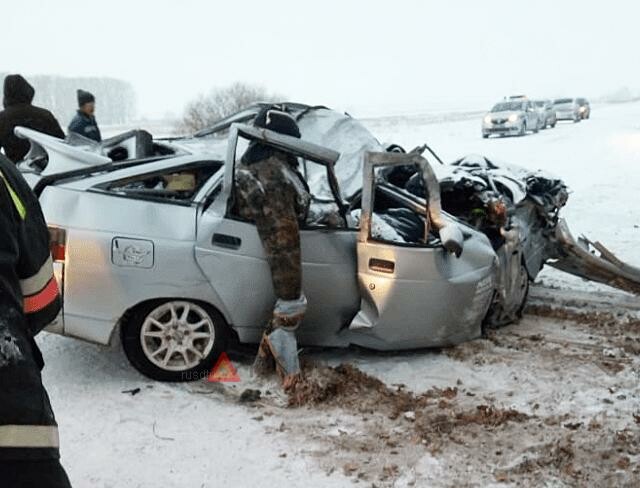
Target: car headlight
[(487, 119), (582, 109), (513, 118)]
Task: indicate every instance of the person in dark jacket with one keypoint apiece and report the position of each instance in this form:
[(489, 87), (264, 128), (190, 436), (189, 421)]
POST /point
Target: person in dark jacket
[(18, 112), (84, 122), (29, 300)]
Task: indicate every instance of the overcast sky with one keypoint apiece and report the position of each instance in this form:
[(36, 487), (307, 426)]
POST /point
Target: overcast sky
[(360, 55)]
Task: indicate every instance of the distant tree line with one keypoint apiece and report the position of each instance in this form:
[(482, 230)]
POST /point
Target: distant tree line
[(115, 99), (621, 95)]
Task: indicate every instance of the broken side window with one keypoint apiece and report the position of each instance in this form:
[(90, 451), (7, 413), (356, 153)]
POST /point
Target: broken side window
[(178, 185)]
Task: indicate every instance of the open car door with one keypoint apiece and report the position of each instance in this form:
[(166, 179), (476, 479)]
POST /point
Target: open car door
[(231, 255), (433, 291)]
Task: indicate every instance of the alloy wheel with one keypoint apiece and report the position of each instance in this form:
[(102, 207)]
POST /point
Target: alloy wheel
[(177, 335)]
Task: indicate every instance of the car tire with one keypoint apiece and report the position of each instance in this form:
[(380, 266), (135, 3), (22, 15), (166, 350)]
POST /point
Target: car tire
[(485, 136), (151, 330), (577, 118), (553, 125), (523, 129)]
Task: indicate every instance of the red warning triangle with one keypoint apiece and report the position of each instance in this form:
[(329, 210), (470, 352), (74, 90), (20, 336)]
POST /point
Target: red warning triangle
[(224, 371)]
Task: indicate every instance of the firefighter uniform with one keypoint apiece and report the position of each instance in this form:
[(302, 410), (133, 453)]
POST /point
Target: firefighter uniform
[(29, 300)]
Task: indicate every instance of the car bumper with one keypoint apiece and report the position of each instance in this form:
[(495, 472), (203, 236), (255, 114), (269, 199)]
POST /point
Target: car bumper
[(501, 129), (566, 115)]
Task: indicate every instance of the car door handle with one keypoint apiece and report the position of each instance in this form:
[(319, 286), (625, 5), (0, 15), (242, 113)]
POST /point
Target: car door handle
[(226, 241), (382, 265)]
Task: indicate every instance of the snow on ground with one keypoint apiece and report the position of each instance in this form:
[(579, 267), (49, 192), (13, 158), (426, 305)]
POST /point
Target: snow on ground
[(549, 401)]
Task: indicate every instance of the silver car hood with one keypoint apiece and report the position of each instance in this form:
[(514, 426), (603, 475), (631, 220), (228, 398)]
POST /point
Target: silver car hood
[(505, 114)]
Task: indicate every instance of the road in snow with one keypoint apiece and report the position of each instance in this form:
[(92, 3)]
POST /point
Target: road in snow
[(197, 435)]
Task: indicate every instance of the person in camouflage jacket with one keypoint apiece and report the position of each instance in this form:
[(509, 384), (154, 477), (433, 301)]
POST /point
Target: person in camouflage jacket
[(271, 192)]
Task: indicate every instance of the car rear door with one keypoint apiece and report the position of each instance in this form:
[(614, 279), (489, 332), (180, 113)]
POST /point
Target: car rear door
[(230, 253)]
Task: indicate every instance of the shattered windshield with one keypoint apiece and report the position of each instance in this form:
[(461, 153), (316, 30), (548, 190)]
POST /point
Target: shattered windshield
[(507, 107)]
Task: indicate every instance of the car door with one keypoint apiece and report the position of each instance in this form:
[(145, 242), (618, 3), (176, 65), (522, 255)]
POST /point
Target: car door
[(230, 253), (417, 294)]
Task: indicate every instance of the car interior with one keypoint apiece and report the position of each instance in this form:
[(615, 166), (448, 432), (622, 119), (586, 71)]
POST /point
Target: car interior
[(176, 185)]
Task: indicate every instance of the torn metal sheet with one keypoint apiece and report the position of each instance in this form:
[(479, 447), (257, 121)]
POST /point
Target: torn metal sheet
[(49, 155), (592, 261)]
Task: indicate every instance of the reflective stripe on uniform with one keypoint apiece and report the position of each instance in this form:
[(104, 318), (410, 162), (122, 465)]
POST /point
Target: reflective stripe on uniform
[(29, 436), (20, 208), (42, 299), (37, 282)]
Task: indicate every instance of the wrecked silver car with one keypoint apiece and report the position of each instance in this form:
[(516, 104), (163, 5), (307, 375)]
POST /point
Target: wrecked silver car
[(394, 256)]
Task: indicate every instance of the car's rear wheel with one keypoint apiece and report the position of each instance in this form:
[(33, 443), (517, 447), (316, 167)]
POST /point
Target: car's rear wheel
[(174, 340)]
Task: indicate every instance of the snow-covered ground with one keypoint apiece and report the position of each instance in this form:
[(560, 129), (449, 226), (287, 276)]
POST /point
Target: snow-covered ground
[(573, 384)]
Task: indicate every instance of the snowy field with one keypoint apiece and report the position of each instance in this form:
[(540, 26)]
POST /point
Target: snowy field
[(551, 401)]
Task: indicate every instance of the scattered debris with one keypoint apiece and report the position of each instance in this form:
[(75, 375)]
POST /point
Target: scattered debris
[(250, 395), (162, 438), (623, 463), (411, 416), (484, 415), (132, 392), (592, 318), (613, 352)]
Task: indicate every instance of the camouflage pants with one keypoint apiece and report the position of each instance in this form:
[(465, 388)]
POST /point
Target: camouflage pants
[(266, 195), (277, 226)]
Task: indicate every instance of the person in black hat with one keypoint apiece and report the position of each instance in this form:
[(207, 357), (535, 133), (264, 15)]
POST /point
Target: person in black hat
[(271, 191), (18, 112), (84, 122)]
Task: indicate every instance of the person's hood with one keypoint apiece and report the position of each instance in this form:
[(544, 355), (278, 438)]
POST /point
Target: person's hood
[(17, 90)]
